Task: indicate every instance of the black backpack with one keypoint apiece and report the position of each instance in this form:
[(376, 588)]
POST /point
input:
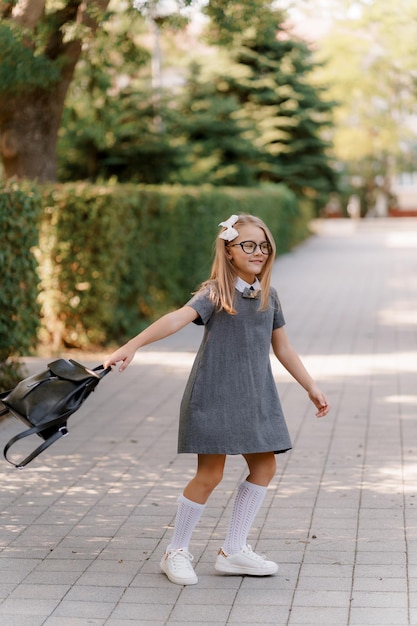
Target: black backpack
[(45, 401)]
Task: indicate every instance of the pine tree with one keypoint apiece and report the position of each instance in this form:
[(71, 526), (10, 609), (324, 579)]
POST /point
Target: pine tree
[(111, 123), (215, 133), (271, 80)]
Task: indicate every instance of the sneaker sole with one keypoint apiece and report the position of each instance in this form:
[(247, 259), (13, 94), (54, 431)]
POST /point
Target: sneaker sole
[(244, 571), (178, 581)]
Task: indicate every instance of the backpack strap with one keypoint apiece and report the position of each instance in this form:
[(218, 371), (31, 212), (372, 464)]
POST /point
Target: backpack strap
[(60, 422), (61, 432)]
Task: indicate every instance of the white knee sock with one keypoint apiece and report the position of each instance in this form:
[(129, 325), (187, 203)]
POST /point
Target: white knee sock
[(247, 503), (187, 518)]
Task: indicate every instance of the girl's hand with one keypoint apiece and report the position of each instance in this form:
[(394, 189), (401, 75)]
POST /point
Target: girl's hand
[(124, 354), (320, 401)]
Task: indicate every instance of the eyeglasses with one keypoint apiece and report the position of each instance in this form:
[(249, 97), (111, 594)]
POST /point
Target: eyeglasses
[(250, 246)]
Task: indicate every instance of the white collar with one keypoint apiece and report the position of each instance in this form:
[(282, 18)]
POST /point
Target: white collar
[(241, 284)]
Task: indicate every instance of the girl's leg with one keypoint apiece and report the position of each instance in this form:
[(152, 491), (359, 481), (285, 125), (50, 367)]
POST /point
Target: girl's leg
[(176, 562), (235, 556), (249, 498), (209, 474), (262, 468), (192, 503)]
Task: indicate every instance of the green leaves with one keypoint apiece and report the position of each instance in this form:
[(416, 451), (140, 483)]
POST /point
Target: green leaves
[(271, 79), (21, 69), (20, 210)]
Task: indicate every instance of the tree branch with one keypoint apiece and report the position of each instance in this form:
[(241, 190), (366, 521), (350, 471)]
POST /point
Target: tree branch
[(75, 11), (27, 12), (6, 8)]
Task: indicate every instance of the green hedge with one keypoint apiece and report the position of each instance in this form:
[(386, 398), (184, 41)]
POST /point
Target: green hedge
[(20, 209), (115, 257)]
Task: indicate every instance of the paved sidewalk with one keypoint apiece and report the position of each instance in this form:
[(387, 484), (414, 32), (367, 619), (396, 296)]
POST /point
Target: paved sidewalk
[(84, 526)]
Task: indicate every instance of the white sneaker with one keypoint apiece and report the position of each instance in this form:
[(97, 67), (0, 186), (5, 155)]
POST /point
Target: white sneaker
[(245, 562), (176, 564)]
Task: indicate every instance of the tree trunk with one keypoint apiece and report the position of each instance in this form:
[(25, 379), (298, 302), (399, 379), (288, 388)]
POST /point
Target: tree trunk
[(29, 122), (28, 135), (29, 125)]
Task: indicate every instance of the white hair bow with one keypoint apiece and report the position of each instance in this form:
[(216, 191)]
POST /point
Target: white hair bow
[(230, 233)]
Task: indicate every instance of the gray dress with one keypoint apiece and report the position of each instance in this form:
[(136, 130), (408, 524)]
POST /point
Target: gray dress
[(230, 403)]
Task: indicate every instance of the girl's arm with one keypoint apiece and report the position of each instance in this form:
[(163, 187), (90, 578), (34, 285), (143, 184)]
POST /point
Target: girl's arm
[(289, 358), (165, 326)]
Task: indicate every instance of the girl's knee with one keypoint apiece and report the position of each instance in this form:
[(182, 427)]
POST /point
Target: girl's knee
[(269, 469), (201, 486), (210, 479), (262, 468), (210, 472)]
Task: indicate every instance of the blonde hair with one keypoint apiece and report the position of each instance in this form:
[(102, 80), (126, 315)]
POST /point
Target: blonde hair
[(223, 275)]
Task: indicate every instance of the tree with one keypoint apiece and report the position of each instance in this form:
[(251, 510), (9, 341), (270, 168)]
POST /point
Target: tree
[(260, 120), (41, 42), (122, 140), (370, 50), (192, 137), (229, 21), (272, 81), (118, 120), (40, 47), (214, 135), (189, 134), (109, 117)]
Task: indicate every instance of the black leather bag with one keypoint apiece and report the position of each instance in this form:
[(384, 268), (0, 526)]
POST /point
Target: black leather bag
[(45, 401)]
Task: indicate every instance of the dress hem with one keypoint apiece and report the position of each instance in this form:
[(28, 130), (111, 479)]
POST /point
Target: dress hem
[(234, 453)]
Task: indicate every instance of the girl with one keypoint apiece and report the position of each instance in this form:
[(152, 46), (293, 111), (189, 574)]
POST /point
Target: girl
[(230, 404)]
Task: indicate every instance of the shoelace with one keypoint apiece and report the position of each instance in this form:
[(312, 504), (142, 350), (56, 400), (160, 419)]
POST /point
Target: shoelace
[(180, 552), (248, 550)]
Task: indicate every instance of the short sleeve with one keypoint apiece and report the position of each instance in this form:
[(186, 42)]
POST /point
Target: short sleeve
[(279, 319), (203, 305)]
